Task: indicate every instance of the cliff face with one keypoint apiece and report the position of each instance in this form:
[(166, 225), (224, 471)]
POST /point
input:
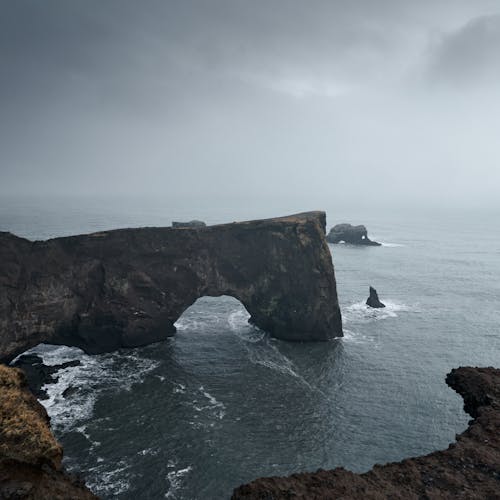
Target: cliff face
[(30, 456), (469, 468), (127, 287)]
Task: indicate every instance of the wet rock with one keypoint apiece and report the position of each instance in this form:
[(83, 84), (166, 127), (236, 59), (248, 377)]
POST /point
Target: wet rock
[(69, 392), (353, 235), (38, 374), (373, 300)]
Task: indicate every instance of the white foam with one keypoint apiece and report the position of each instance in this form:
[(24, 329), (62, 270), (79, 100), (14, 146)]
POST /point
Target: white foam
[(95, 375), (355, 337), (175, 479), (361, 313), (392, 245), (111, 483), (217, 406), (238, 318), (179, 388)]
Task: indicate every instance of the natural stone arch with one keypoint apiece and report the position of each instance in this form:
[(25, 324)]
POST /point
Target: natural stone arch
[(127, 287), (209, 311)]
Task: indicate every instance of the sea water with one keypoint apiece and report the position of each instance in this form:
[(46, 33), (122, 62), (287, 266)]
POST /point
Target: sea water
[(222, 403)]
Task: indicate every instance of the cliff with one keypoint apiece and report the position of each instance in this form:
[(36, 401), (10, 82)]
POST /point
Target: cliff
[(469, 468), (30, 456), (127, 287)]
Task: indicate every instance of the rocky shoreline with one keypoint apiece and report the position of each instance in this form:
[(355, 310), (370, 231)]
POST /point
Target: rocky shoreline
[(30, 457), (469, 468)]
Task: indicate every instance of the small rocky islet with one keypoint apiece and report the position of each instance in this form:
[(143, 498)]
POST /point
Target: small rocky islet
[(352, 235)]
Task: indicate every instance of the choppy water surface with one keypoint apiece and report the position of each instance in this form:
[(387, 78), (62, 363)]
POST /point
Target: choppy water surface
[(221, 403)]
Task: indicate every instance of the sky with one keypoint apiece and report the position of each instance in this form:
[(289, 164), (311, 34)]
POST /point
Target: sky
[(357, 100)]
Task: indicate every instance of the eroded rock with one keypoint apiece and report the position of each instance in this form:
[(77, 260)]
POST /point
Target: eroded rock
[(127, 287), (30, 456), (353, 235)]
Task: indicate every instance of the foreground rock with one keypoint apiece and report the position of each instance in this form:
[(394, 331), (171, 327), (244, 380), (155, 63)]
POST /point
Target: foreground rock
[(191, 223), (354, 235), (30, 456), (127, 287), (373, 300), (469, 468), (38, 374)]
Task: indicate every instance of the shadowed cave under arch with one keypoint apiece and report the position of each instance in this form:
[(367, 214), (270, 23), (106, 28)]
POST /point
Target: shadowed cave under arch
[(127, 287)]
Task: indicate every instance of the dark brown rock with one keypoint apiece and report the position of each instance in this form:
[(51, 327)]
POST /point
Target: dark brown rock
[(469, 468), (373, 300), (30, 456), (127, 287), (353, 235)]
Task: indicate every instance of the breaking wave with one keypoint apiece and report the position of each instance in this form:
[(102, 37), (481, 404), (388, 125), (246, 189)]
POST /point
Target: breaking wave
[(361, 313)]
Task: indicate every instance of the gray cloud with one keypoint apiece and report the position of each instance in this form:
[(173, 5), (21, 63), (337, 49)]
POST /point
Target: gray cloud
[(268, 97), (470, 54)]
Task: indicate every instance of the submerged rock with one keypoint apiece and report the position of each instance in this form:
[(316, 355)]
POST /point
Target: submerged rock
[(469, 468), (354, 235), (127, 287), (191, 223), (30, 456), (373, 300), (38, 374)]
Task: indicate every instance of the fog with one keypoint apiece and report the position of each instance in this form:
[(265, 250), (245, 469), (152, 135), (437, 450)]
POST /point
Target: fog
[(359, 101)]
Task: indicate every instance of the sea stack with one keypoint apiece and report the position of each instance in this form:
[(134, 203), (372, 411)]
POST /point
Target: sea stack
[(353, 235), (373, 300)]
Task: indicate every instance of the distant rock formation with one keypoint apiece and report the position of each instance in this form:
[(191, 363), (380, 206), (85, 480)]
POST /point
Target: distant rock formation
[(127, 287), (30, 456), (469, 468), (373, 300), (354, 235), (191, 223)]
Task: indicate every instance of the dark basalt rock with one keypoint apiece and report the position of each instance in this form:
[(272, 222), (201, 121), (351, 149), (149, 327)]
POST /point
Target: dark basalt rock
[(373, 300), (127, 287), (38, 374), (354, 235), (191, 223), (469, 468)]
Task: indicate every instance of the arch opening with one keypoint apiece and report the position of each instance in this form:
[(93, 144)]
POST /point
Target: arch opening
[(209, 313)]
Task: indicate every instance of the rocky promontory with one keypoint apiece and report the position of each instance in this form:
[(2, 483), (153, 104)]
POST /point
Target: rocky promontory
[(353, 235), (127, 287), (469, 468), (30, 456)]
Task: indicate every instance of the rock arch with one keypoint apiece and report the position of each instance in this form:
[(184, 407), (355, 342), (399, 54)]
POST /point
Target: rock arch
[(127, 287)]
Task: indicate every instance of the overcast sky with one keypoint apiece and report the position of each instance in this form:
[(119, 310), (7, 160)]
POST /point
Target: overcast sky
[(375, 99)]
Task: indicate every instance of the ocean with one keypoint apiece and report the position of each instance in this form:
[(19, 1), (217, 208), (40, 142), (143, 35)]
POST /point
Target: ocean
[(222, 403)]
